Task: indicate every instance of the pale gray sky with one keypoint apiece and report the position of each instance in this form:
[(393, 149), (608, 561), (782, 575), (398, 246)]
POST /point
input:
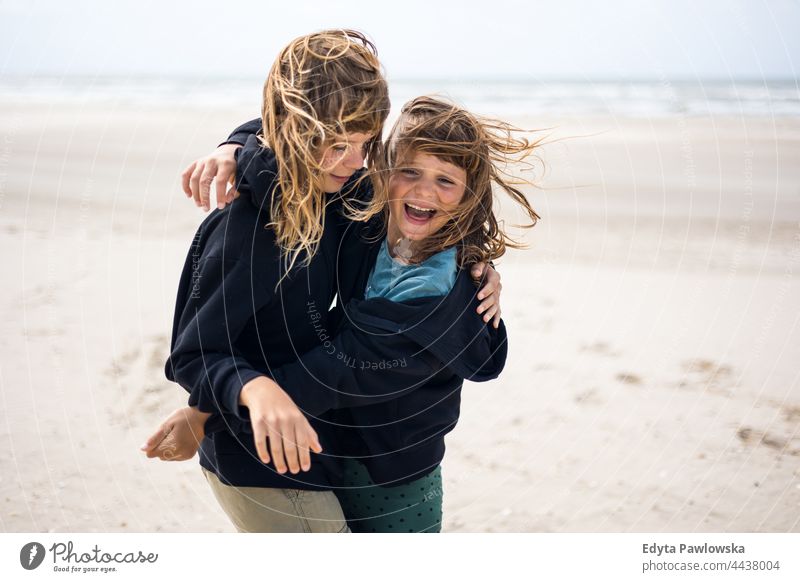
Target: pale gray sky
[(624, 39)]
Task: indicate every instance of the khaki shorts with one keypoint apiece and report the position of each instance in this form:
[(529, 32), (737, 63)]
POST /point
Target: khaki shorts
[(269, 510)]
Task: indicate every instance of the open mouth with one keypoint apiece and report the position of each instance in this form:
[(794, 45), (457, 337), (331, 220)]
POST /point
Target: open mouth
[(417, 214)]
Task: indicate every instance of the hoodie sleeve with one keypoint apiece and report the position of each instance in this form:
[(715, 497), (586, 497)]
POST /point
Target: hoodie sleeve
[(240, 134), (226, 423), (358, 367), (256, 171), (203, 360)]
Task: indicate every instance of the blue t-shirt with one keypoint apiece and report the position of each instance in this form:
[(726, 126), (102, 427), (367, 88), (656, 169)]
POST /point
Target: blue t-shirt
[(396, 281)]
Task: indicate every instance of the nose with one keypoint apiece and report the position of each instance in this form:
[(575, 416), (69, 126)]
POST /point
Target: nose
[(425, 189), (355, 158)]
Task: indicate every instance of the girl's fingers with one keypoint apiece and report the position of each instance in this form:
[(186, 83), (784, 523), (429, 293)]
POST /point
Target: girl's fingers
[(260, 437), (222, 185), (487, 303), (185, 177), (166, 450), (290, 447), (496, 321), (301, 436), (224, 174), (490, 288), (206, 179), (490, 314), (152, 440), (231, 195), (156, 438), (194, 183), (486, 291), (492, 282), (313, 440), (276, 447)]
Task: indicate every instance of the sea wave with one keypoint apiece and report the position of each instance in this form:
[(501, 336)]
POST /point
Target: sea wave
[(502, 97)]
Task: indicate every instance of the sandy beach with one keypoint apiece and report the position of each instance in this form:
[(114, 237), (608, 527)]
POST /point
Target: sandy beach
[(652, 378)]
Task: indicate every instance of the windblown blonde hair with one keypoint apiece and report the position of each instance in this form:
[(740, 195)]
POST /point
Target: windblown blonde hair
[(483, 148), (320, 87)]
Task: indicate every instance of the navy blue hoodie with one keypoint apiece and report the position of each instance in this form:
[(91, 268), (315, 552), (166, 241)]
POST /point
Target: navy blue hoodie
[(398, 369), (394, 370)]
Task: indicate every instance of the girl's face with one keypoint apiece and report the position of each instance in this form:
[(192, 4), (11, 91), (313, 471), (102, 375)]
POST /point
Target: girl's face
[(342, 158), (423, 193)]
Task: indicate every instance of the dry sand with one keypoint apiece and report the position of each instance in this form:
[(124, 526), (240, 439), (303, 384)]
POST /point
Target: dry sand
[(652, 380)]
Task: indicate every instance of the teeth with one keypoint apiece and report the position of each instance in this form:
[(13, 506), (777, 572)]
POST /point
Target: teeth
[(422, 209)]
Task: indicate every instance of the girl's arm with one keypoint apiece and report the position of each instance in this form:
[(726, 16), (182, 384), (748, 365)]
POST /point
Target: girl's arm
[(219, 169), (218, 378), (365, 365), (203, 359), (360, 367)]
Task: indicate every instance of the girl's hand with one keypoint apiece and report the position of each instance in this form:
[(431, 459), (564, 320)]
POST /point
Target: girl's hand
[(275, 416), (489, 293), (178, 437), (218, 168)]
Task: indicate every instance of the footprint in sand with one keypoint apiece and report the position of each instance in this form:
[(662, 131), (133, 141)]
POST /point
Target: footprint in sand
[(791, 414), (628, 378), (159, 352), (44, 332), (601, 349), (709, 369), (751, 436), (590, 396), (139, 375), (121, 365), (708, 375)]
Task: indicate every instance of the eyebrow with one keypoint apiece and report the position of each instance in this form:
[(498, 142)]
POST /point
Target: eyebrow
[(449, 173), (343, 137)]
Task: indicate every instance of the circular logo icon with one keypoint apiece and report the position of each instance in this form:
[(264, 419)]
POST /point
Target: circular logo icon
[(31, 555)]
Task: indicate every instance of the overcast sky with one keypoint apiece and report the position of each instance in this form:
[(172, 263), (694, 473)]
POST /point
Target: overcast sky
[(625, 39)]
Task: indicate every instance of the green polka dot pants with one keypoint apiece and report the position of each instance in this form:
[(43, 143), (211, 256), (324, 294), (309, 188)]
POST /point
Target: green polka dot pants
[(414, 507)]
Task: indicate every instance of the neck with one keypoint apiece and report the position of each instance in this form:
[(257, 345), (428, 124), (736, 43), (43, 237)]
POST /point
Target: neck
[(400, 247)]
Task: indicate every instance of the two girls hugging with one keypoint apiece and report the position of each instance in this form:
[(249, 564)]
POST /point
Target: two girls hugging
[(326, 313)]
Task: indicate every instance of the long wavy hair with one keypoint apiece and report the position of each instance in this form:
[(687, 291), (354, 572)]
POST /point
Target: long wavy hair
[(484, 148), (321, 86)]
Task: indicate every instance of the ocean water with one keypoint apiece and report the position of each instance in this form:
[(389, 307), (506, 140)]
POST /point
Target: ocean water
[(492, 97)]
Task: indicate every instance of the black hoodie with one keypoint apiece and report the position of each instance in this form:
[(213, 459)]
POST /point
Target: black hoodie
[(233, 323), (398, 367)]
